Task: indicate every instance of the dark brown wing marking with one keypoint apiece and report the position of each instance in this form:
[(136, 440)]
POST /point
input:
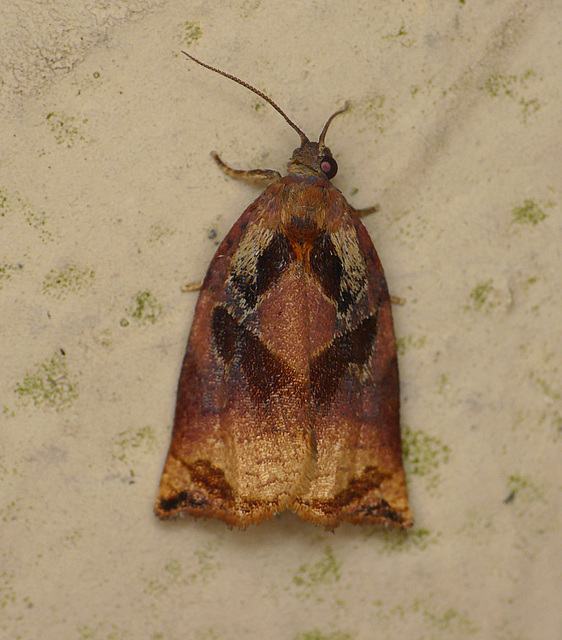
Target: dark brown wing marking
[(328, 368), (244, 353), (327, 267), (255, 274), (273, 260)]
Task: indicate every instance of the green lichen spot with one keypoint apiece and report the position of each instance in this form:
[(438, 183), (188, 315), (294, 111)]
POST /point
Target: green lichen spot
[(207, 634), (405, 540), (423, 454), (373, 107), (37, 220), (72, 538), (410, 341), (429, 617), (528, 213), (157, 232), (443, 382), (7, 591), (400, 36), (10, 512), (13, 203), (523, 489), (449, 621), (198, 569), (413, 228), (376, 103), (501, 85), (63, 128), (130, 447), (206, 560), (316, 634), (545, 387), (7, 270), (50, 385), (190, 32), (479, 295), (155, 587), (325, 571), (527, 283), (103, 338), (103, 631), (173, 568), (126, 441), (144, 308), (70, 279), (513, 87)]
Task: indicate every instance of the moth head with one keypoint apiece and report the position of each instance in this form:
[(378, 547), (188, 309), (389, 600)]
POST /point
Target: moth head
[(312, 158), (315, 158)]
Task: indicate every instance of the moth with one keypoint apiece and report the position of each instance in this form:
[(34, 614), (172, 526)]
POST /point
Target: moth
[(288, 397)]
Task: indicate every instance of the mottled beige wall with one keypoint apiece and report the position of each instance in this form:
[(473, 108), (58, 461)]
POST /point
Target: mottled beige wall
[(109, 202)]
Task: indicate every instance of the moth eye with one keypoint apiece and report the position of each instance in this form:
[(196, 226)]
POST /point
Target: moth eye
[(329, 167)]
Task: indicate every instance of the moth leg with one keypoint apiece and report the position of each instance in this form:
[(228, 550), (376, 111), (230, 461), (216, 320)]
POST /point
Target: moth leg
[(192, 286), (366, 211), (397, 300), (256, 175)]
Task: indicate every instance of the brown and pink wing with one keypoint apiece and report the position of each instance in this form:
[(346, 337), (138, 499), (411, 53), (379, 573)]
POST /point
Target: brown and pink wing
[(355, 396), (241, 447)]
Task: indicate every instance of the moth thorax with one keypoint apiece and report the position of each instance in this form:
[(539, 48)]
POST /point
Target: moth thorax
[(305, 220), (302, 232)]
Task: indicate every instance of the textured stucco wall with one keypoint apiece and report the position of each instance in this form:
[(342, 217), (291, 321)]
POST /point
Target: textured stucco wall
[(109, 202)]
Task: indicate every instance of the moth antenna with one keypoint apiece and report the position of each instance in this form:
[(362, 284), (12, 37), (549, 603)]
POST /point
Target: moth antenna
[(258, 93), (325, 129)]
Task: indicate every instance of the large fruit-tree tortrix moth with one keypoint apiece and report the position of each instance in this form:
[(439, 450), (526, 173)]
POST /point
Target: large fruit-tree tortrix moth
[(289, 396)]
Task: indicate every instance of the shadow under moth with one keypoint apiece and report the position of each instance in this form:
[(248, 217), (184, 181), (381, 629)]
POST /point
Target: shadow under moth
[(288, 397)]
